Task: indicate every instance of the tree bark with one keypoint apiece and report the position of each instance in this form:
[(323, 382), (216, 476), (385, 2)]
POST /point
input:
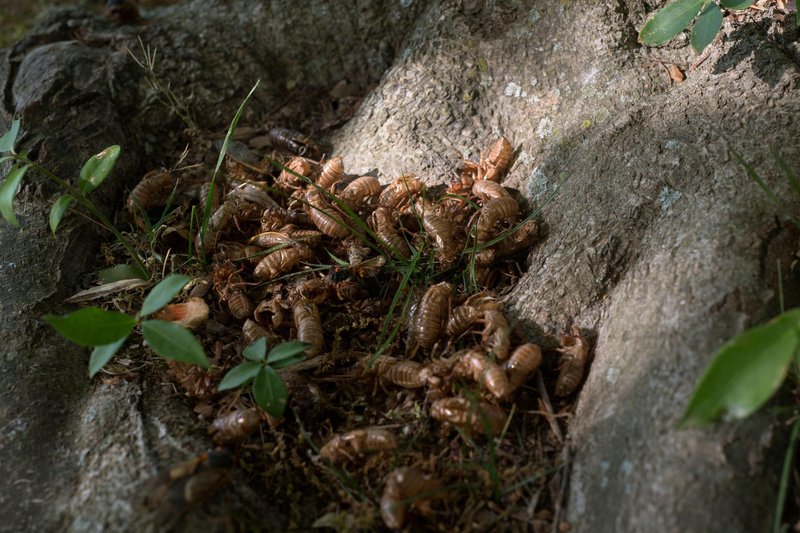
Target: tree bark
[(658, 242)]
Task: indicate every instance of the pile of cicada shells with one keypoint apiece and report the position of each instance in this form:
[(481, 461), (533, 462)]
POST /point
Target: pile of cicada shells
[(307, 252)]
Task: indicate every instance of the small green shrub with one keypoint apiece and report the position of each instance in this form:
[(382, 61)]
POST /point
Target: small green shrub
[(107, 331), (92, 175), (269, 390), (704, 16)]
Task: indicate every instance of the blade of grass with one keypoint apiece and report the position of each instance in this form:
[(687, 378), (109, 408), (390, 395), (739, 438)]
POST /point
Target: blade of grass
[(791, 177), (785, 473), (220, 159), (383, 345)]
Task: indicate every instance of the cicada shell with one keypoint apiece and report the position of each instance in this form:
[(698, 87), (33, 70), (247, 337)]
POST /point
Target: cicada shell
[(313, 290), (470, 312), (281, 262), (495, 212), (443, 233), (270, 312), (309, 326), (234, 426), (361, 192), (294, 141), (252, 331), (498, 160), (486, 190), (186, 485), (496, 334), (524, 361), (346, 447), (244, 169), (574, 355), (216, 224), (522, 238), (382, 223), (273, 219), (401, 192), (324, 217), (461, 318), (153, 190), (253, 193), (407, 487), (238, 303), (475, 417), (288, 180), (401, 372), (309, 237), (270, 239), (232, 251), (489, 374), (432, 313), (332, 173)]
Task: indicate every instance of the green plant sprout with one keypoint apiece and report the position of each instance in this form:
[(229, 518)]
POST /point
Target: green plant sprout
[(107, 331), (704, 16), (92, 175), (269, 390)]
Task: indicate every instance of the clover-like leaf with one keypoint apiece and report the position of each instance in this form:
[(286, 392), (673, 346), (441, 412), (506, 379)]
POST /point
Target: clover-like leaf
[(669, 21), (737, 4), (239, 375), (8, 191), (285, 351), (59, 209), (173, 341), (164, 291), (257, 350), (270, 392), (706, 27), (9, 138), (92, 326), (101, 355), (121, 272), (97, 169), (745, 372)]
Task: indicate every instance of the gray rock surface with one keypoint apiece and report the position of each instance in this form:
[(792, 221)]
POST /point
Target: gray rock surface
[(659, 244)]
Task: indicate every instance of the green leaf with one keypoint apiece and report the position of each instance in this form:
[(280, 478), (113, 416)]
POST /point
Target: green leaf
[(737, 4), (173, 341), (59, 209), (8, 190), (239, 375), (121, 272), (257, 350), (286, 350), (101, 355), (9, 138), (270, 392), (97, 169), (289, 361), (706, 27), (162, 293), (92, 326), (746, 372), (232, 128), (669, 22)]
